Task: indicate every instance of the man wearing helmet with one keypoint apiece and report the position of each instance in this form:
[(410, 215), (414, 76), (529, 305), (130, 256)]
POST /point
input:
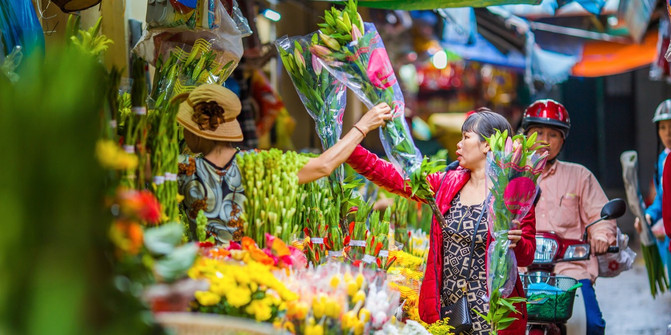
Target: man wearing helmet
[(571, 198)]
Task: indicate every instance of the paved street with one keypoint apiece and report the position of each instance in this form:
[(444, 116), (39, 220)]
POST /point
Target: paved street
[(628, 307)]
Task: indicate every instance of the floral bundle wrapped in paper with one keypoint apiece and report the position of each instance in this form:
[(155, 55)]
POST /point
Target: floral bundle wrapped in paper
[(322, 95), (513, 168), (354, 53)]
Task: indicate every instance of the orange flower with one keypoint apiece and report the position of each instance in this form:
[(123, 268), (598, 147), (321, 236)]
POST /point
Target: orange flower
[(127, 236), (261, 257), (280, 248), (248, 243)]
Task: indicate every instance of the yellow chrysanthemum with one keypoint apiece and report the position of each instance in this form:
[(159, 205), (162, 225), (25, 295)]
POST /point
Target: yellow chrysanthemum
[(206, 298), (260, 309), (239, 296)]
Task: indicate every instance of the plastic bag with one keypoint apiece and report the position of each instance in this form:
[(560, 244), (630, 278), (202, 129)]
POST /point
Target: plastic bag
[(659, 69), (182, 67), (323, 96), (226, 39), (366, 69), (184, 14), (611, 265), (512, 174), (19, 26), (240, 20)]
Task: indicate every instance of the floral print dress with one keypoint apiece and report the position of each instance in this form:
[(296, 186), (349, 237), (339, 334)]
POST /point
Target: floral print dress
[(218, 191), (457, 236)]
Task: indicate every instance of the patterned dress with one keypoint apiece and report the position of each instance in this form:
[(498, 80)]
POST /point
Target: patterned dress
[(218, 191), (457, 237)]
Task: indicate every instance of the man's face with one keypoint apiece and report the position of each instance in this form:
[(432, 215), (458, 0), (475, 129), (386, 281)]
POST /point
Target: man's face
[(549, 136)]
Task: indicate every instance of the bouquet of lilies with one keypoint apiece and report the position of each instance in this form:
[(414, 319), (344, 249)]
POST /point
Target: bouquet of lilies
[(513, 168), (354, 53), (322, 95)]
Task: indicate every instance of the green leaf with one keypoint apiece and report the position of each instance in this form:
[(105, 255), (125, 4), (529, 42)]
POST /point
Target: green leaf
[(162, 240)]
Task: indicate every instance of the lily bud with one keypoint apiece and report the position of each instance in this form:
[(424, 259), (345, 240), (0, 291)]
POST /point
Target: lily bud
[(356, 33), (320, 51), (509, 146), (329, 41)]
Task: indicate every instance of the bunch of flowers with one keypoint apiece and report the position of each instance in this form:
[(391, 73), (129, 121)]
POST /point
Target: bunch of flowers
[(276, 254), (354, 53), (247, 290), (272, 193), (322, 95), (337, 299), (513, 168)]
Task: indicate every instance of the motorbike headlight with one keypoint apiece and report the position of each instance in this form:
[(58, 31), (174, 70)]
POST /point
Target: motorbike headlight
[(577, 252), (546, 249)]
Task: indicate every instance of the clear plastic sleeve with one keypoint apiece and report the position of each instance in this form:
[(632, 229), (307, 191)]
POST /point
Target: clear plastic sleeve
[(365, 68), (184, 14), (513, 185), (323, 96)]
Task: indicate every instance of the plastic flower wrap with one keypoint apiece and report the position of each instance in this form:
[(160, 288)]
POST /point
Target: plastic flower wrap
[(338, 299), (323, 96), (354, 53), (513, 168)]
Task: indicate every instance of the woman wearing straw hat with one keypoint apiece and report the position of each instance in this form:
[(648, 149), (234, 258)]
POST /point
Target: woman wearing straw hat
[(212, 182)]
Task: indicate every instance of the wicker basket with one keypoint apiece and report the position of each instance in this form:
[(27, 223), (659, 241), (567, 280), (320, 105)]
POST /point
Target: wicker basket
[(212, 324)]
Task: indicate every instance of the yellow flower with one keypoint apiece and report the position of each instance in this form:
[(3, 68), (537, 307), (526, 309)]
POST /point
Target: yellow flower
[(239, 296), (179, 198), (335, 281), (297, 310), (206, 298), (318, 307), (359, 280), (352, 288), (111, 156), (242, 277), (314, 330), (359, 296), (333, 309), (358, 328), (260, 309), (289, 326), (364, 315), (348, 320)]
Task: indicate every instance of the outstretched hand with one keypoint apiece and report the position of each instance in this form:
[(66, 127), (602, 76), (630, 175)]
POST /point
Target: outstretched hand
[(374, 118)]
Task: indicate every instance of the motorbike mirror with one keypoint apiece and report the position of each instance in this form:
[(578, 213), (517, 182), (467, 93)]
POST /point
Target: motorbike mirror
[(613, 209)]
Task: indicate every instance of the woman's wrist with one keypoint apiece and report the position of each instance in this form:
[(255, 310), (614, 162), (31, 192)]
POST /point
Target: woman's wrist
[(359, 129)]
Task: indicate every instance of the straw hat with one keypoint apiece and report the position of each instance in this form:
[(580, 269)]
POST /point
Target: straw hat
[(199, 113)]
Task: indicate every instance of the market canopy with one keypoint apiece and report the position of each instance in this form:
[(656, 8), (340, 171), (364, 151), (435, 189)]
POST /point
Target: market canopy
[(434, 4), (608, 58)]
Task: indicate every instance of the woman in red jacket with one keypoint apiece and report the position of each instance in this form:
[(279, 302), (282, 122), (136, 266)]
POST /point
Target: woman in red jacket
[(460, 193)]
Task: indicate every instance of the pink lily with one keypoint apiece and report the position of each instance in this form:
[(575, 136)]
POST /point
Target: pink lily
[(509, 146), (379, 70)]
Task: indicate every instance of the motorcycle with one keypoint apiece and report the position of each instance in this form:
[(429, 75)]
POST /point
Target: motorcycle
[(550, 298)]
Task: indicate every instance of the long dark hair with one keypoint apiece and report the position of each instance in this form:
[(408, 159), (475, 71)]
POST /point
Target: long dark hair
[(484, 122)]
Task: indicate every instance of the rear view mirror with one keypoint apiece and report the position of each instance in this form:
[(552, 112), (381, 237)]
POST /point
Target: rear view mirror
[(613, 209)]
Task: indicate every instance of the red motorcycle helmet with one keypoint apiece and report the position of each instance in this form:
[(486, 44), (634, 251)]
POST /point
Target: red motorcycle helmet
[(547, 112)]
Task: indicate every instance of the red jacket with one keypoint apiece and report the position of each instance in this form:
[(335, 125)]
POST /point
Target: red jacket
[(666, 197), (385, 175)]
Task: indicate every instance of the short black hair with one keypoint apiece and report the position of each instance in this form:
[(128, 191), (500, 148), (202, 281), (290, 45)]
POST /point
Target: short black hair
[(484, 122)]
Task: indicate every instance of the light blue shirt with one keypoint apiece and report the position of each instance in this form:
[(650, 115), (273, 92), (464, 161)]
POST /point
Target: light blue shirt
[(655, 209)]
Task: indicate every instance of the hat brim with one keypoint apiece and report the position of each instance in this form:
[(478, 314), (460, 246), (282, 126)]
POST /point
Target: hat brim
[(228, 131)]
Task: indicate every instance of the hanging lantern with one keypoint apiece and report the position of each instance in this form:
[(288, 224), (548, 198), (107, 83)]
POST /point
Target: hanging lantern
[(69, 6)]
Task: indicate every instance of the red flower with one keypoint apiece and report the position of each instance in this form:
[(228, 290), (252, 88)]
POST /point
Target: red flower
[(205, 245)]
